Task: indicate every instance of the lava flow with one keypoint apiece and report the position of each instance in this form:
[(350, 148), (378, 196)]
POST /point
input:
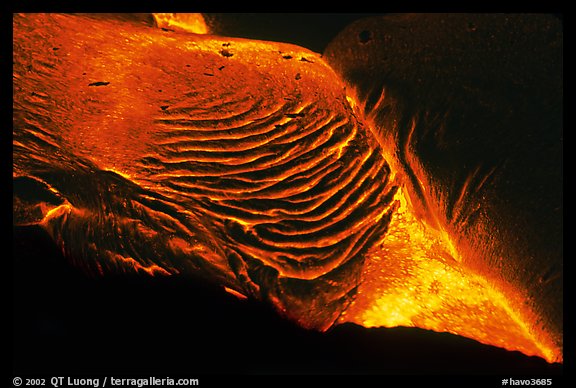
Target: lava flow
[(412, 279), (160, 152)]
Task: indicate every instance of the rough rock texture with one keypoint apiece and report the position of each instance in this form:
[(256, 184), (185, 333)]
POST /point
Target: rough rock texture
[(146, 150)]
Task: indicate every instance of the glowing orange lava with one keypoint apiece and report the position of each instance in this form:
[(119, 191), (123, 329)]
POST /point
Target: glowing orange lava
[(412, 280), (185, 22), (217, 149)]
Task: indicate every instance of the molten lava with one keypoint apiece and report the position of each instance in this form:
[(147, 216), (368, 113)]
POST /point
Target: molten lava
[(241, 160), (184, 22), (412, 279)]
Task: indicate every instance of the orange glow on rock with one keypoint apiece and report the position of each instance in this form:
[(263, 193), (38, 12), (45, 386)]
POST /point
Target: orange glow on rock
[(424, 275), (235, 293), (152, 269), (249, 164), (183, 22), (412, 280)]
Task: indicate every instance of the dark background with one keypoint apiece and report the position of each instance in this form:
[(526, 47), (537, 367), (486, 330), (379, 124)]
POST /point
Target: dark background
[(69, 323), (66, 323), (310, 30)]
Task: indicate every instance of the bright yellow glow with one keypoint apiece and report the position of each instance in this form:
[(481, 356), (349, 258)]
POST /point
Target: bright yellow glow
[(183, 22), (412, 280), (122, 174), (56, 212), (413, 277), (241, 222)]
